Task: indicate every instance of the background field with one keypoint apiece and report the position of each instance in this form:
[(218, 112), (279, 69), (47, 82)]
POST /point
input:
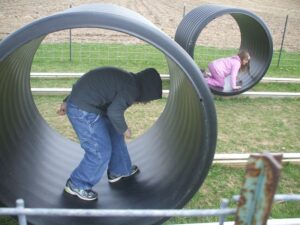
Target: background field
[(164, 14), (244, 125), (221, 34)]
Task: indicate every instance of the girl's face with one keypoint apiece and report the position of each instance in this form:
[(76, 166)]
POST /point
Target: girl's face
[(245, 61)]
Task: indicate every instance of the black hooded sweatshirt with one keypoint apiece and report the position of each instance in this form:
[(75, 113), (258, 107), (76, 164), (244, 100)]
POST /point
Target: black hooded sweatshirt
[(110, 91)]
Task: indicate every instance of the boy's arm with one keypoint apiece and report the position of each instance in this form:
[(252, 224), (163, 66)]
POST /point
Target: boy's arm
[(63, 109), (115, 113)]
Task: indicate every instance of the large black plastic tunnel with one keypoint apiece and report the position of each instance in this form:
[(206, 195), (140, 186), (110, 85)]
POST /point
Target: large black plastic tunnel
[(174, 155), (255, 37)]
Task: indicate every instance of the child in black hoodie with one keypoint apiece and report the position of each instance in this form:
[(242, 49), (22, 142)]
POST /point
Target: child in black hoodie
[(96, 108)]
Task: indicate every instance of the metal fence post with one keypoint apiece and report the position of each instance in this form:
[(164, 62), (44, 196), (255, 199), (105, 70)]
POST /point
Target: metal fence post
[(70, 40), (282, 41), (224, 205), (184, 8), (257, 193), (21, 217)]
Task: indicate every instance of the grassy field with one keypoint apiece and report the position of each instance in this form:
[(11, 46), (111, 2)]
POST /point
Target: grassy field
[(244, 124), (263, 124), (56, 57), (224, 182)]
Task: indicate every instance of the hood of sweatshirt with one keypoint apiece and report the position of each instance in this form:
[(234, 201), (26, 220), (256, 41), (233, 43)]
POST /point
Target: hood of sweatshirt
[(150, 85)]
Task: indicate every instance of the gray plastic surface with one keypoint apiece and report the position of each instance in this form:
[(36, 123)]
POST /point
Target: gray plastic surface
[(255, 37), (174, 155)]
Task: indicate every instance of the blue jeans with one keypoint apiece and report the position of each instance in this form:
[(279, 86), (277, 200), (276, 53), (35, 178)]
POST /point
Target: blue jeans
[(104, 148)]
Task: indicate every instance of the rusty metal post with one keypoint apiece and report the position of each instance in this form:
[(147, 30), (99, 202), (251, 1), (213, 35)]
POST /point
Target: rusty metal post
[(262, 176)]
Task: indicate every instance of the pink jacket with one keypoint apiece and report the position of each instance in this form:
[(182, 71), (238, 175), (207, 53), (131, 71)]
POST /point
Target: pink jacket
[(227, 66)]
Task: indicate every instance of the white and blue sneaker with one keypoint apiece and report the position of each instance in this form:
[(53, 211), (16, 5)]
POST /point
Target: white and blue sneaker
[(87, 195), (114, 179)]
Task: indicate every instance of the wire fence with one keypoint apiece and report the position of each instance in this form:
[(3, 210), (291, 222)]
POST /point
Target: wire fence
[(98, 47)]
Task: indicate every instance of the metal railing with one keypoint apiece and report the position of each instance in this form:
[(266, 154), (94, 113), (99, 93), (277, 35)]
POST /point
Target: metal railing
[(56, 75), (253, 94), (21, 212), (63, 91)]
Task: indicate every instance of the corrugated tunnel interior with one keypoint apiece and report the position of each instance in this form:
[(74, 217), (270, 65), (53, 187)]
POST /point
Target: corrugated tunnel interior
[(255, 38), (174, 155)]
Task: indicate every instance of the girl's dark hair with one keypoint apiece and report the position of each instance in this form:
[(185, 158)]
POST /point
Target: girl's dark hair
[(243, 54)]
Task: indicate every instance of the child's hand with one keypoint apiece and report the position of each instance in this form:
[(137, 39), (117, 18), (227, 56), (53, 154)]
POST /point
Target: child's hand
[(62, 110), (127, 133), (237, 88)]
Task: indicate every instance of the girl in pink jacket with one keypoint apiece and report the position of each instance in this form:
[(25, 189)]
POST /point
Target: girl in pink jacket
[(221, 68)]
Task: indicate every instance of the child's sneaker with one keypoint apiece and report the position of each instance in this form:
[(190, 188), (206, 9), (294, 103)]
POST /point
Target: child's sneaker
[(87, 195), (114, 179)]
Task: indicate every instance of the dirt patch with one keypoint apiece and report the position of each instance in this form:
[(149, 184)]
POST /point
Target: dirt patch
[(166, 15)]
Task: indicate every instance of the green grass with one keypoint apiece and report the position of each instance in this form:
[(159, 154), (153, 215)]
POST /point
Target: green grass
[(289, 65), (284, 87), (255, 125), (6, 220), (244, 124), (224, 182), (55, 58)]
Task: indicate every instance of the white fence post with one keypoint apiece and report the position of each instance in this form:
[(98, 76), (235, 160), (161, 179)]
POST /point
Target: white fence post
[(21, 216), (224, 205)]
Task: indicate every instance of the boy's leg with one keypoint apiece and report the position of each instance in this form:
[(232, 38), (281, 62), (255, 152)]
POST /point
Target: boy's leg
[(120, 162), (94, 138)]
